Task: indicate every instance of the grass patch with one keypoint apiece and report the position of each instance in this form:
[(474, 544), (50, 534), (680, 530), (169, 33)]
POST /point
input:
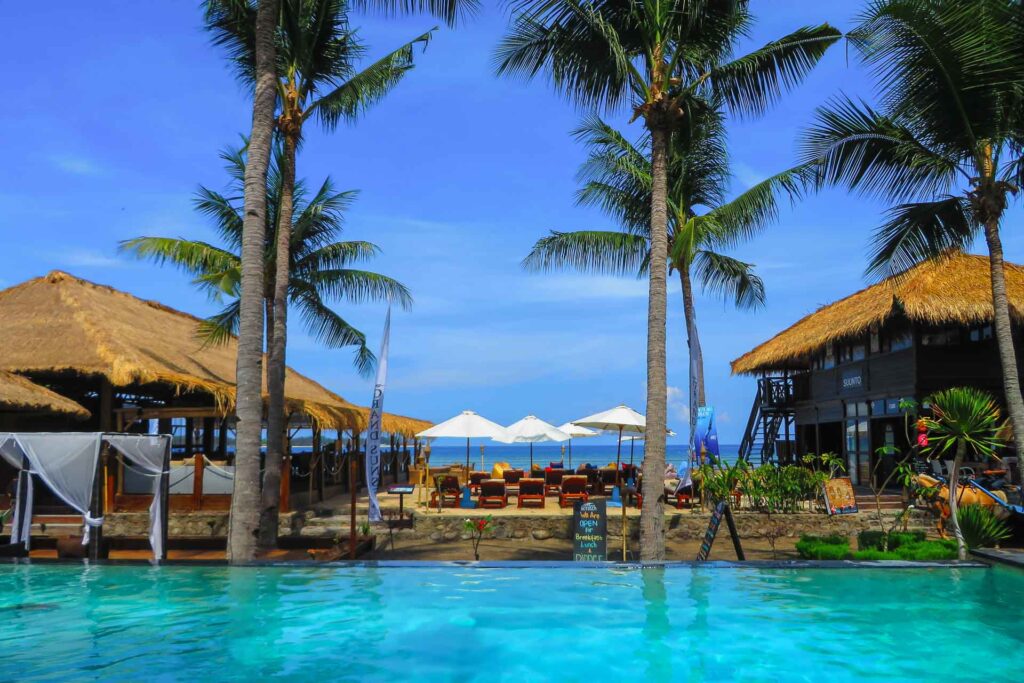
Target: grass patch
[(833, 547)]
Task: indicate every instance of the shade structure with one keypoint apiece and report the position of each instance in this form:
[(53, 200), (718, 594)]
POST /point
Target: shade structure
[(466, 425), (531, 429), (21, 395), (576, 432)]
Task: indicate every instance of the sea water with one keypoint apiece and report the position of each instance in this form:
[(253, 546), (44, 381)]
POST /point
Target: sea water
[(456, 623), (518, 455)]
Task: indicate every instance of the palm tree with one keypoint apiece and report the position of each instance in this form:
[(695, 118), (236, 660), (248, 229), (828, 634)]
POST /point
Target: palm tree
[(964, 421), (617, 179), (661, 58), (244, 518), (947, 147), (316, 77), (319, 267)]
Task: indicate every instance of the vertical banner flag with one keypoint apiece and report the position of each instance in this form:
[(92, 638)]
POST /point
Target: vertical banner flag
[(706, 438), (696, 361), (373, 430)]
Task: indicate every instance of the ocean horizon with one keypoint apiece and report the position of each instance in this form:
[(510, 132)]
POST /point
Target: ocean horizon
[(518, 455)]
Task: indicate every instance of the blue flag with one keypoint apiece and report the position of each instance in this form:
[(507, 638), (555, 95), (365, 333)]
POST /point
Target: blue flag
[(706, 434)]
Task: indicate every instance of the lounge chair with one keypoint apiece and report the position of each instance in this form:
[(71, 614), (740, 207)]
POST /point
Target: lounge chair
[(493, 493), (475, 478), (606, 481), (574, 487), (512, 478), (448, 489), (553, 481), (531, 490)]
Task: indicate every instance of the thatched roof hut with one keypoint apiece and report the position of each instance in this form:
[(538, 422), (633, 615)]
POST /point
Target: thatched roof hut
[(954, 289), (61, 324), (20, 395)]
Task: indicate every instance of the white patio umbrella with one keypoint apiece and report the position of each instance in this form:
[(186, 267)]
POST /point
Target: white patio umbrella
[(467, 425), (531, 429), (575, 432)]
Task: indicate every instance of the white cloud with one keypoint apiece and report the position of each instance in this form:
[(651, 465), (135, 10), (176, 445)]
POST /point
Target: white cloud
[(86, 258), (75, 165), (678, 406)]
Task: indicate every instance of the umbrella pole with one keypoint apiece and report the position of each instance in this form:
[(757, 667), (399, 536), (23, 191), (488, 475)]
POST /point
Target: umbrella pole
[(622, 494), (531, 458), (631, 442), (467, 459), (570, 454)]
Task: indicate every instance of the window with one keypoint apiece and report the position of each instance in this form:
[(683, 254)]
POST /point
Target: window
[(878, 407), (876, 342), (901, 342), (829, 360), (980, 333), (949, 336)]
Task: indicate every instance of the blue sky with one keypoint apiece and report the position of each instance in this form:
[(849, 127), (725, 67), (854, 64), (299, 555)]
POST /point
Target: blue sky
[(111, 126)]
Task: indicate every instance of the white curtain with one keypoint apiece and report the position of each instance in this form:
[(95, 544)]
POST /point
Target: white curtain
[(67, 464), (21, 525), (147, 453)]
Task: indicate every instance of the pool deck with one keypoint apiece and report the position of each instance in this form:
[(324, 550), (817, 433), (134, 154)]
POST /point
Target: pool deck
[(1009, 557)]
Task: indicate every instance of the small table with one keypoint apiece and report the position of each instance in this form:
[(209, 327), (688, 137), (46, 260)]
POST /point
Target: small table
[(402, 490)]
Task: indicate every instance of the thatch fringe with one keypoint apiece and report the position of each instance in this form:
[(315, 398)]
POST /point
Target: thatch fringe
[(953, 289)]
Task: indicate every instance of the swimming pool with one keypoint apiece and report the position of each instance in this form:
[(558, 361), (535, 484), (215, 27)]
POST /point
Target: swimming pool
[(452, 623)]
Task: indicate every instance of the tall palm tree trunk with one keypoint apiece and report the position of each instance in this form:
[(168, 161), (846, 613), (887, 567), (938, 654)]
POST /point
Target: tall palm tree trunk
[(276, 419), (954, 479), (243, 524), (652, 519), (1004, 337)]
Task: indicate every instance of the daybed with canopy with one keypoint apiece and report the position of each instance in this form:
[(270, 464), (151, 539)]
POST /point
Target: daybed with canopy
[(68, 463)]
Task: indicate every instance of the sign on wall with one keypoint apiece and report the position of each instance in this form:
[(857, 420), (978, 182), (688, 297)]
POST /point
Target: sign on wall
[(851, 380), (839, 496)]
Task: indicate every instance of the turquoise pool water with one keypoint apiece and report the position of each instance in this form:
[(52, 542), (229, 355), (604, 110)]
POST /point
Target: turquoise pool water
[(121, 623)]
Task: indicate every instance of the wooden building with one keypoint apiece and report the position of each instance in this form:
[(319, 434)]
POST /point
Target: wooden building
[(833, 381)]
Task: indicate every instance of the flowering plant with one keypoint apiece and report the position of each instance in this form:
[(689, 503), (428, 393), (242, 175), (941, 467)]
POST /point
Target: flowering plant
[(476, 528)]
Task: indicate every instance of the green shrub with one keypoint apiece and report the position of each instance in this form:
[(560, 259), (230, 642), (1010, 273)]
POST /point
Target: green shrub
[(926, 551), (980, 527), (833, 547), (872, 540)]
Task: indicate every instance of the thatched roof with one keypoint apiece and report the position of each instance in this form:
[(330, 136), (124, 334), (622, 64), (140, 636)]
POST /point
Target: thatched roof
[(20, 395), (955, 289), (60, 323)]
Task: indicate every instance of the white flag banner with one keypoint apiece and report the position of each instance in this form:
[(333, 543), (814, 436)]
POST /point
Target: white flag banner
[(373, 430)]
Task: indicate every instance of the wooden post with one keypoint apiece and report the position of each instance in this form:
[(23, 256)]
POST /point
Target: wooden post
[(222, 440), (405, 456), (394, 461), (337, 457), (318, 447), (734, 534), (286, 477), (208, 426), (357, 460), (352, 489), (190, 440), (165, 485), (198, 465), (96, 507)]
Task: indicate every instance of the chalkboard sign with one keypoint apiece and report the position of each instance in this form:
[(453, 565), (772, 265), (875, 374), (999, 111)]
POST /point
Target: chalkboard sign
[(840, 497), (709, 535), (590, 531)]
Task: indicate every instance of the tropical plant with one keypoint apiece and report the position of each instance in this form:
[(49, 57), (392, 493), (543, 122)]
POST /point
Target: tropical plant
[(964, 420), (701, 224), (319, 268), (980, 526), (901, 471), (947, 146), (475, 529), (665, 59), (316, 77), (244, 517)]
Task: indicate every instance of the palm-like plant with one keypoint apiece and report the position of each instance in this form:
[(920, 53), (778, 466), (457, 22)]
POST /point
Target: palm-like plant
[(701, 222), (946, 148), (661, 58), (965, 421), (320, 265), (316, 78)]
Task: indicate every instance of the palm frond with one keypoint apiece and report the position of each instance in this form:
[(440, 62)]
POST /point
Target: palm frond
[(353, 97), (233, 26), (356, 286), (336, 255), (331, 330), (859, 148), (729, 278), (592, 251), (193, 257), (219, 328), (450, 12), (915, 232), (750, 84)]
